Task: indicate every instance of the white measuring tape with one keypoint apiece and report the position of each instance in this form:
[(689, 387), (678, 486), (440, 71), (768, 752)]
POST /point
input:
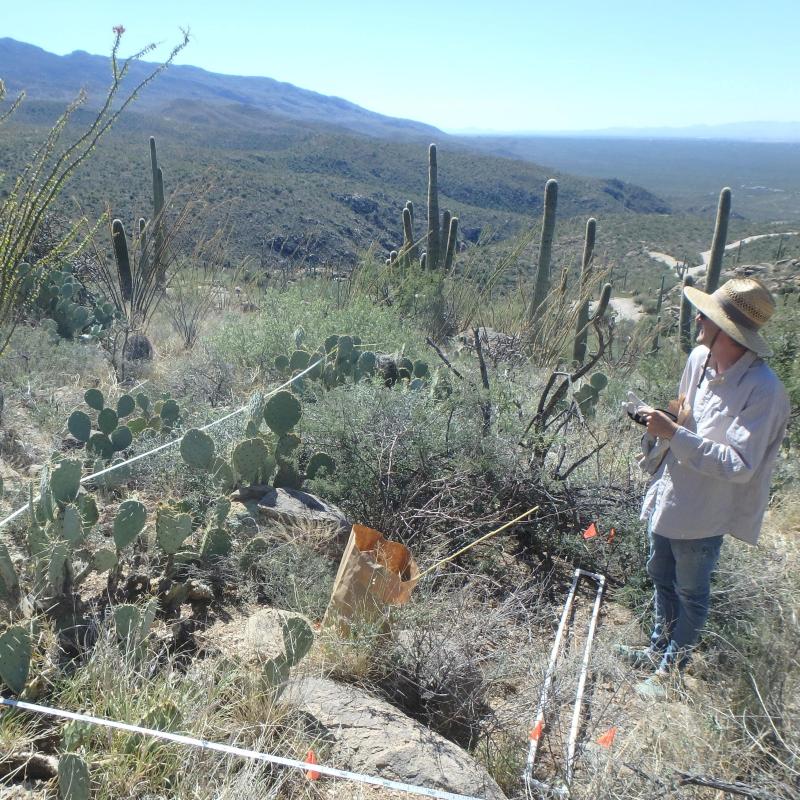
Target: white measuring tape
[(172, 443), (236, 751)]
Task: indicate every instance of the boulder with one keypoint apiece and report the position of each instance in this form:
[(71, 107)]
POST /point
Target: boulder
[(293, 508), (372, 737)]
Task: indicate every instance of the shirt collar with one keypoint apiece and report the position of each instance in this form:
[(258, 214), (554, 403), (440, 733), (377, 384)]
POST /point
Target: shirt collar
[(736, 372)]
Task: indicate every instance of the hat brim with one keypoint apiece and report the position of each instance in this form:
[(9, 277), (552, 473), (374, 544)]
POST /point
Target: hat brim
[(709, 306)]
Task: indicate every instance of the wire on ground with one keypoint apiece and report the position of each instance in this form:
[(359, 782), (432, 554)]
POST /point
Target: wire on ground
[(190, 741)]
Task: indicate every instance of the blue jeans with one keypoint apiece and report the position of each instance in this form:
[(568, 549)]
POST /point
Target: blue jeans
[(681, 573)]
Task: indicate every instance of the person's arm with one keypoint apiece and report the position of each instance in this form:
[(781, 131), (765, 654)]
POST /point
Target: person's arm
[(746, 440)]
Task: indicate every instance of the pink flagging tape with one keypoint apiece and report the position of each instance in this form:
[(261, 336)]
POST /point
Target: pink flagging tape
[(172, 443), (235, 751)]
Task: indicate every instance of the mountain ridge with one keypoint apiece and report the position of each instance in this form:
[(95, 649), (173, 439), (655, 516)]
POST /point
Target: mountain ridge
[(51, 77)]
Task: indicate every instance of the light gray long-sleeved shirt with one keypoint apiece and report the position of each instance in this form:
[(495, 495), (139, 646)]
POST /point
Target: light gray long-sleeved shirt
[(715, 477)]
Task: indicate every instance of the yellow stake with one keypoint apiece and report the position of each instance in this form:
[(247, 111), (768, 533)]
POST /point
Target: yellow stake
[(478, 541)]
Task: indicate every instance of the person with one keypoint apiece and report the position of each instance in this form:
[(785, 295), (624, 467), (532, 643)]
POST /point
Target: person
[(711, 463)]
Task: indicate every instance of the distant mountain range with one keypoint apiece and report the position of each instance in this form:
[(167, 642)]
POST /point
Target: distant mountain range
[(730, 131), (46, 76), (298, 173), (320, 178)]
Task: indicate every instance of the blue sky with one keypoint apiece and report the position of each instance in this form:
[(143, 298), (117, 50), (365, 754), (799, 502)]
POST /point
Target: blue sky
[(503, 65)]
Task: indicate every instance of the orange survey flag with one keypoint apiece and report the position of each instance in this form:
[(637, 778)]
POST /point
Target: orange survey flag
[(611, 534), (607, 739), (536, 731), (590, 532), (312, 774)]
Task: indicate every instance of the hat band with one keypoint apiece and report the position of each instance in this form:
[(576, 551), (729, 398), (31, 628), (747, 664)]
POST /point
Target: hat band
[(736, 315)]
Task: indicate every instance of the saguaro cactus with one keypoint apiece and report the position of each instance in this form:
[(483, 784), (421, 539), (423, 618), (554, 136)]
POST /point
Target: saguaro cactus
[(451, 243), (158, 208), (718, 243), (432, 260), (685, 320), (602, 305), (579, 348), (409, 248), (122, 258), (659, 303), (542, 284)]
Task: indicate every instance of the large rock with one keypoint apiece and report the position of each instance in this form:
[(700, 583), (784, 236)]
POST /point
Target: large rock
[(372, 737), (292, 508)]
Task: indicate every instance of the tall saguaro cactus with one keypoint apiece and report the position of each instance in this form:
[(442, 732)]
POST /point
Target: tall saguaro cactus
[(659, 304), (718, 243), (685, 319), (432, 260), (579, 347), (542, 284), (441, 235), (409, 248), (158, 209), (452, 232)]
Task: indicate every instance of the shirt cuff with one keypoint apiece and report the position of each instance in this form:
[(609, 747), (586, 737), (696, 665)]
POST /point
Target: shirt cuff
[(683, 443)]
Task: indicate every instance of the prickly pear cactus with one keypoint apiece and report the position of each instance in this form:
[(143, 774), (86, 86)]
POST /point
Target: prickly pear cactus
[(94, 399), (129, 522), (319, 463), (282, 412), (74, 782), (80, 426), (172, 529), (65, 481), (252, 461), (197, 449), (297, 639), (217, 543), (9, 581), (132, 623), (15, 657)]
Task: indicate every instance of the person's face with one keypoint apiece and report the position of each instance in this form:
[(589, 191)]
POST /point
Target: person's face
[(706, 329)]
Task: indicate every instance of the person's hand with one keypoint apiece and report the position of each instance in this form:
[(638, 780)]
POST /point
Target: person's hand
[(659, 424)]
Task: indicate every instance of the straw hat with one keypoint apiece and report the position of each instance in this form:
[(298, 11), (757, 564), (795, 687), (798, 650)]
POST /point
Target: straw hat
[(739, 307)]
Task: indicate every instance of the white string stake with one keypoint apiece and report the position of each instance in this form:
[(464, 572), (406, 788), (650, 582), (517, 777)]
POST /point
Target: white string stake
[(172, 443), (190, 741)]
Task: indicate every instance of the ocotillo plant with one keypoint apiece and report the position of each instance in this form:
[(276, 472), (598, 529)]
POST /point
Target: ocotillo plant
[(718, 243), (542, 284), (685, 320), (579, 348)]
